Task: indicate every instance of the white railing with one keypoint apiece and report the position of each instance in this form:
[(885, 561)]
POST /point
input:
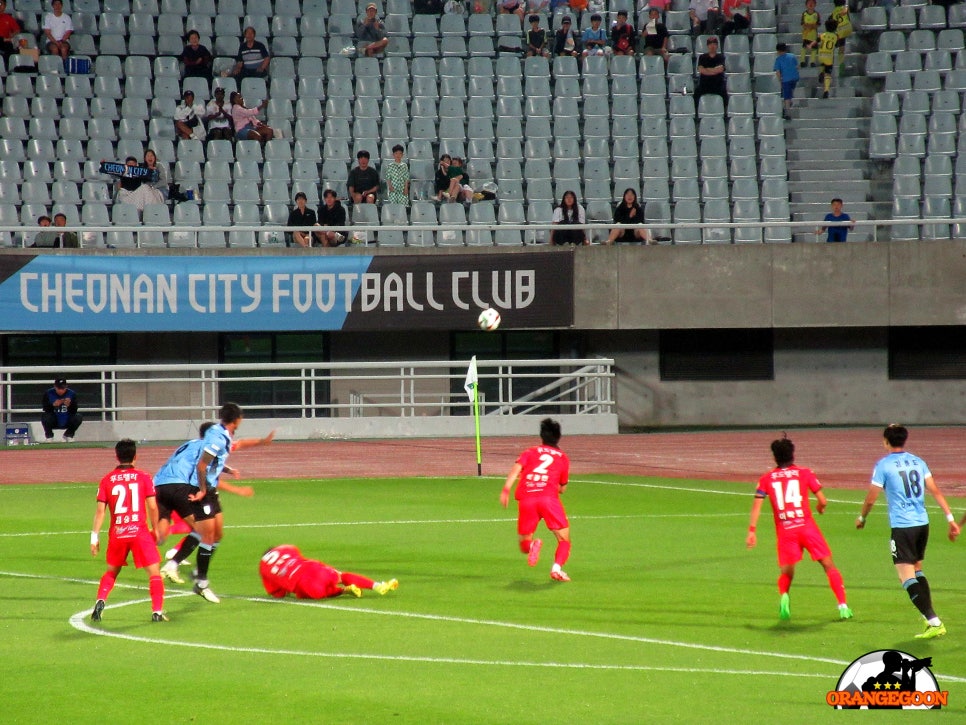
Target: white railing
[(316, 390), (272, 236)]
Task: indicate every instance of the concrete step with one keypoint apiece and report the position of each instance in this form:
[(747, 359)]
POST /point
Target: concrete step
[(803, 131), (850, 148), (846, 154), (819, 174), (859, 189)]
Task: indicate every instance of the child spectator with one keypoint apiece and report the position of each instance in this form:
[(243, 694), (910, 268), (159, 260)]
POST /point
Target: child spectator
[(843, 27), (786, 68), (826, 55), (594, 38), (655, 34), (622, 35), (810, 22), (564, 42), (837, 234), (536, 38)]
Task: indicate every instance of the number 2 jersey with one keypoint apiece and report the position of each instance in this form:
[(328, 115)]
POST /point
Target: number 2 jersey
[(124, 490), (545, 470), (903, 478), (787, 490)]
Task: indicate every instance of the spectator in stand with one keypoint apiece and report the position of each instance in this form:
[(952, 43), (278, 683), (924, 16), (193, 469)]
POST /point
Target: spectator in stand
[(363, 181), (536, 38), (57, 30), (511, 7), (736, 16), (218, 118), (162, 183), (786, 68), (253, 57), (137, 190), (629, 211), (300, 216), (332, 220), (65, 240), (441, 182), (397, 178), (810, 22), (187, 118), (371, 33), (197, 58), (44, 239), (568, 216), (9, 27), (837, 234), (459, 181), (711, 73), (655, 35), (622, 35), (565, 41), (59, 405), (245, 120), (698, 11), (594, 38)]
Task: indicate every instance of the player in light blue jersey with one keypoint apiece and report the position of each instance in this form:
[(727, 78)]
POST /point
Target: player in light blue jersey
[(905, 478)]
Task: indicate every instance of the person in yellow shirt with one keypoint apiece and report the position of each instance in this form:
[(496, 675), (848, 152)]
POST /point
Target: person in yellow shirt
[(826, 55), (843, 27), (810, 21)]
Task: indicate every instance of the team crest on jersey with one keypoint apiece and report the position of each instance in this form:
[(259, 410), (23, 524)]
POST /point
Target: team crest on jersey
[(888, 680)]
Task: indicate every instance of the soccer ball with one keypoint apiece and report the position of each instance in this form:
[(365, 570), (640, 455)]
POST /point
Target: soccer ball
[(489, 319)]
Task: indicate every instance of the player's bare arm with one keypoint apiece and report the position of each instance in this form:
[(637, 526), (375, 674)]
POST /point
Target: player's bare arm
[(933, 489), (151, 504), (870, 499), (96, 527), (751, 540), (202, 469), (244, 443), (246, 491), (508, 485), (820, 501)]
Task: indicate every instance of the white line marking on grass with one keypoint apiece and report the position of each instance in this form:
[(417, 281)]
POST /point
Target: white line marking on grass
[(78, 621)]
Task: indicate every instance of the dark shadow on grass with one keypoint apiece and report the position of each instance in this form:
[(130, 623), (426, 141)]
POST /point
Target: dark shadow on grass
[(525, 585)]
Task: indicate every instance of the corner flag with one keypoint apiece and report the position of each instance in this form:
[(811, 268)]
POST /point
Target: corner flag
[(471, 384)]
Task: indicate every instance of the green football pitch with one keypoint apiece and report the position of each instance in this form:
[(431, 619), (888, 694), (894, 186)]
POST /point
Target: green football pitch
[(668, 618)]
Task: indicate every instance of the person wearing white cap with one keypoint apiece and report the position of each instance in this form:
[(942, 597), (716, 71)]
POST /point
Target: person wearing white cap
[(371, 33)]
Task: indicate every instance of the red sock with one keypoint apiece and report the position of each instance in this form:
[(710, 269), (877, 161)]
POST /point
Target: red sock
[(360, 581), (106, 585), (784, 583), (838, 586), (156, 587), (525, 545), (562, 553)]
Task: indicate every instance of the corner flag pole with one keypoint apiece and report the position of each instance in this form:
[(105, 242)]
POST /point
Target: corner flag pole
[(471, 385)]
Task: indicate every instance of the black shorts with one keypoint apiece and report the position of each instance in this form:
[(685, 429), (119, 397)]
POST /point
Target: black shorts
[(909, 544), (208, 507), (174, 497)]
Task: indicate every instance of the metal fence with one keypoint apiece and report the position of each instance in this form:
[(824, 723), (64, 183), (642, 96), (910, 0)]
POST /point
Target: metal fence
[(317, 390)]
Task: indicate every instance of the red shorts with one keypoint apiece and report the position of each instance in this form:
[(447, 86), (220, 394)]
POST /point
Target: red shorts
[(547, 508), (317, 581), (808, 538), (143, 548)]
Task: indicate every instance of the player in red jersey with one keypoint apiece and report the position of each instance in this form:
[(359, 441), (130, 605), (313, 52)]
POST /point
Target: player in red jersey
[(285, 571), (787, 488), (129, 493), (543, 472)]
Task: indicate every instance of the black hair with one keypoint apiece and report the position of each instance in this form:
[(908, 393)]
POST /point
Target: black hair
[(300, 195), (831, 25), (125, 450), (836, 199), (203, 428), (329, 192), (42, 217), (398, 147), (230, 412), (363, 155), (896, 435), (784, 451), (550, 432)]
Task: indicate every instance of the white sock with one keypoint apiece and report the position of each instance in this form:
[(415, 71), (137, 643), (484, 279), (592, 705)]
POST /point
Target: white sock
[(556, 567), (934, 622)]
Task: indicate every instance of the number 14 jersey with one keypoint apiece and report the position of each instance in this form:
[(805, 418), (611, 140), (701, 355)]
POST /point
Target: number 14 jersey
[(787, 490)]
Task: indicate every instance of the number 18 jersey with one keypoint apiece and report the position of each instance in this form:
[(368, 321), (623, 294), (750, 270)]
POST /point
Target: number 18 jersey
[(787, 490), (545, 470), (903, 478)]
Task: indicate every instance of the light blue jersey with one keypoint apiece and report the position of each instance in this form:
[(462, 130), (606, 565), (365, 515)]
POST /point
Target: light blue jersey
[(217, 443), (182, 466), (903, 478)]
